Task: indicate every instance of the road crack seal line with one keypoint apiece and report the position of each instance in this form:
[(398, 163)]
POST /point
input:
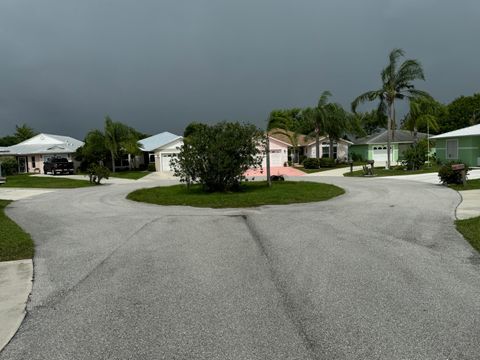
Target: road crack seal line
[(58, 296), (287, 302)]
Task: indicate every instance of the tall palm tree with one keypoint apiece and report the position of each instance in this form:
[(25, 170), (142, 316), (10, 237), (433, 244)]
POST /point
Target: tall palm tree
[(396, 85), (316, 119), (282, 124), (336, 124), (115, 133)]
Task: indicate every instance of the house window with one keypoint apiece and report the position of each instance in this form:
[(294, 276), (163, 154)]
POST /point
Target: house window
[(452, 149), (326, 150), (151, 158), (33, 162)]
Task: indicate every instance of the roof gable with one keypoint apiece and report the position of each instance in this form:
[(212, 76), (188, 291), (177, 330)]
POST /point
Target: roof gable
[(46, 143), (473, 130), (157, 141)]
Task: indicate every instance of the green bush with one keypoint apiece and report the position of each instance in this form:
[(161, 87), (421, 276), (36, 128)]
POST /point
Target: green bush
[(311, 163), (415, 156), (9, 166), (449, 176), (356, 157), (151, 167), (302, 158), (217, 156), (97, 172), (327, 162)]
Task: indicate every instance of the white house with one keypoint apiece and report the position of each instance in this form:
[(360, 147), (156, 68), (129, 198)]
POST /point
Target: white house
[(306, 145), (32, 153), (161, 148)]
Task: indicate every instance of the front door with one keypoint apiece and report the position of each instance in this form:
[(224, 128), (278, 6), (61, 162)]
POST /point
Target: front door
[(22, 165)]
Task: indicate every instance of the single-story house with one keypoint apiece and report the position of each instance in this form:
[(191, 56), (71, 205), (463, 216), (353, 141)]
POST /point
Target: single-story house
[(32, 153), (159, 150), (459, 145), (307, 145), (374, 147)]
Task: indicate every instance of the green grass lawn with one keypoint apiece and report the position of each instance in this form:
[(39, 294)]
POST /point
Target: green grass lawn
[(380, 171), (58, 182), (470, 185), (252, 194), (15, 244), (132, 175), (470, 229)]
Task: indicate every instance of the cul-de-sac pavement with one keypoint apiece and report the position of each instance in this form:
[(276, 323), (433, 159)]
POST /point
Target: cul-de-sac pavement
[(377, 273)]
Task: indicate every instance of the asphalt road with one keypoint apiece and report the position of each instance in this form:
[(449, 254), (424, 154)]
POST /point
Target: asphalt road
[(378, 273)]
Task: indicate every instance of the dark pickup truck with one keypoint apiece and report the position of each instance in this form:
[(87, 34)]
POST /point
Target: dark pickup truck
[(58, 166)]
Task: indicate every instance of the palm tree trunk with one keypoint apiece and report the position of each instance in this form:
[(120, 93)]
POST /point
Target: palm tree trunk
[(129, 162), (113, 161), (330, 148), (389, 133), (317, 144)]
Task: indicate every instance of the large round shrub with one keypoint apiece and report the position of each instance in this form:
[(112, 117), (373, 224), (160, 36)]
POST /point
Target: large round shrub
[(217, 156)]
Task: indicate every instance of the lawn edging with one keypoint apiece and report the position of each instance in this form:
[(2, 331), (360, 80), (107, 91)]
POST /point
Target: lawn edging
[(15, 244), (253, 194)]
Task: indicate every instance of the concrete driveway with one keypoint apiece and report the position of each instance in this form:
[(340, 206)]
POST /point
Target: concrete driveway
[(379, 273)]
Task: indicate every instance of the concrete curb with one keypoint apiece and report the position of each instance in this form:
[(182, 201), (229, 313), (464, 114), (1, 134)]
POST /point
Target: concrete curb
[(15, 287), (469, 206)]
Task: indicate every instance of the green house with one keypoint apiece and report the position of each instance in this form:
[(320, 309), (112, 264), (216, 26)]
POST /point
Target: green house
[(374, 147), (459, 145)]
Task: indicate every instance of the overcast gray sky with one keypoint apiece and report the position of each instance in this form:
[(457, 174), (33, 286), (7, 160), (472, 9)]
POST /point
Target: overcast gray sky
[(159, 64)]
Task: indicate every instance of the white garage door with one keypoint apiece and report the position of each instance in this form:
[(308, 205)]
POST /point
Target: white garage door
[(166, 162), (276, 157), (380, 154)]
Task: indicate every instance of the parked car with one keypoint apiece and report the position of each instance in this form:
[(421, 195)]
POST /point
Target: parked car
[(58, 166)]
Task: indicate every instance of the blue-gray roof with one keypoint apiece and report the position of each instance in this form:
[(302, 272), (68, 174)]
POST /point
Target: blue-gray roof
[(400, 136), (157, 141)]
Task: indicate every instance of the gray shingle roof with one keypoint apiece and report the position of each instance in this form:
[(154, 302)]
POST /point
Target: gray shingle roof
[(46, 144), (400, 136), (157, 141)]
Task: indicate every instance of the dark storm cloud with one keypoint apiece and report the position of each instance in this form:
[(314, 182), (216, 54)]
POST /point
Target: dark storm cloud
[(158, 65)]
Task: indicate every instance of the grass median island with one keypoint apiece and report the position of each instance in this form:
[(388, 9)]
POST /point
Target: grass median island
[(132, 175), (470, 185), (252, 194), (31, 181), (470, 229), (15, 244)]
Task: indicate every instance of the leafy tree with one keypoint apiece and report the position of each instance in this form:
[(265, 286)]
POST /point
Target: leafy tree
[(337, 122), (461, 112), (423, 115), (217, 156), (371, 121), (94, 150), (24, 132), (397, 84), (415, 155), (8, 140), (193, 127)]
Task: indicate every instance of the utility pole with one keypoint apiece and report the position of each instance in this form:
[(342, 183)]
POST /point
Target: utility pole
[(267, 153)]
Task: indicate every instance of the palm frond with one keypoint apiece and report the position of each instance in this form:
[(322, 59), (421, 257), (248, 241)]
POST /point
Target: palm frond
[(367, 96), (324, 98)]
